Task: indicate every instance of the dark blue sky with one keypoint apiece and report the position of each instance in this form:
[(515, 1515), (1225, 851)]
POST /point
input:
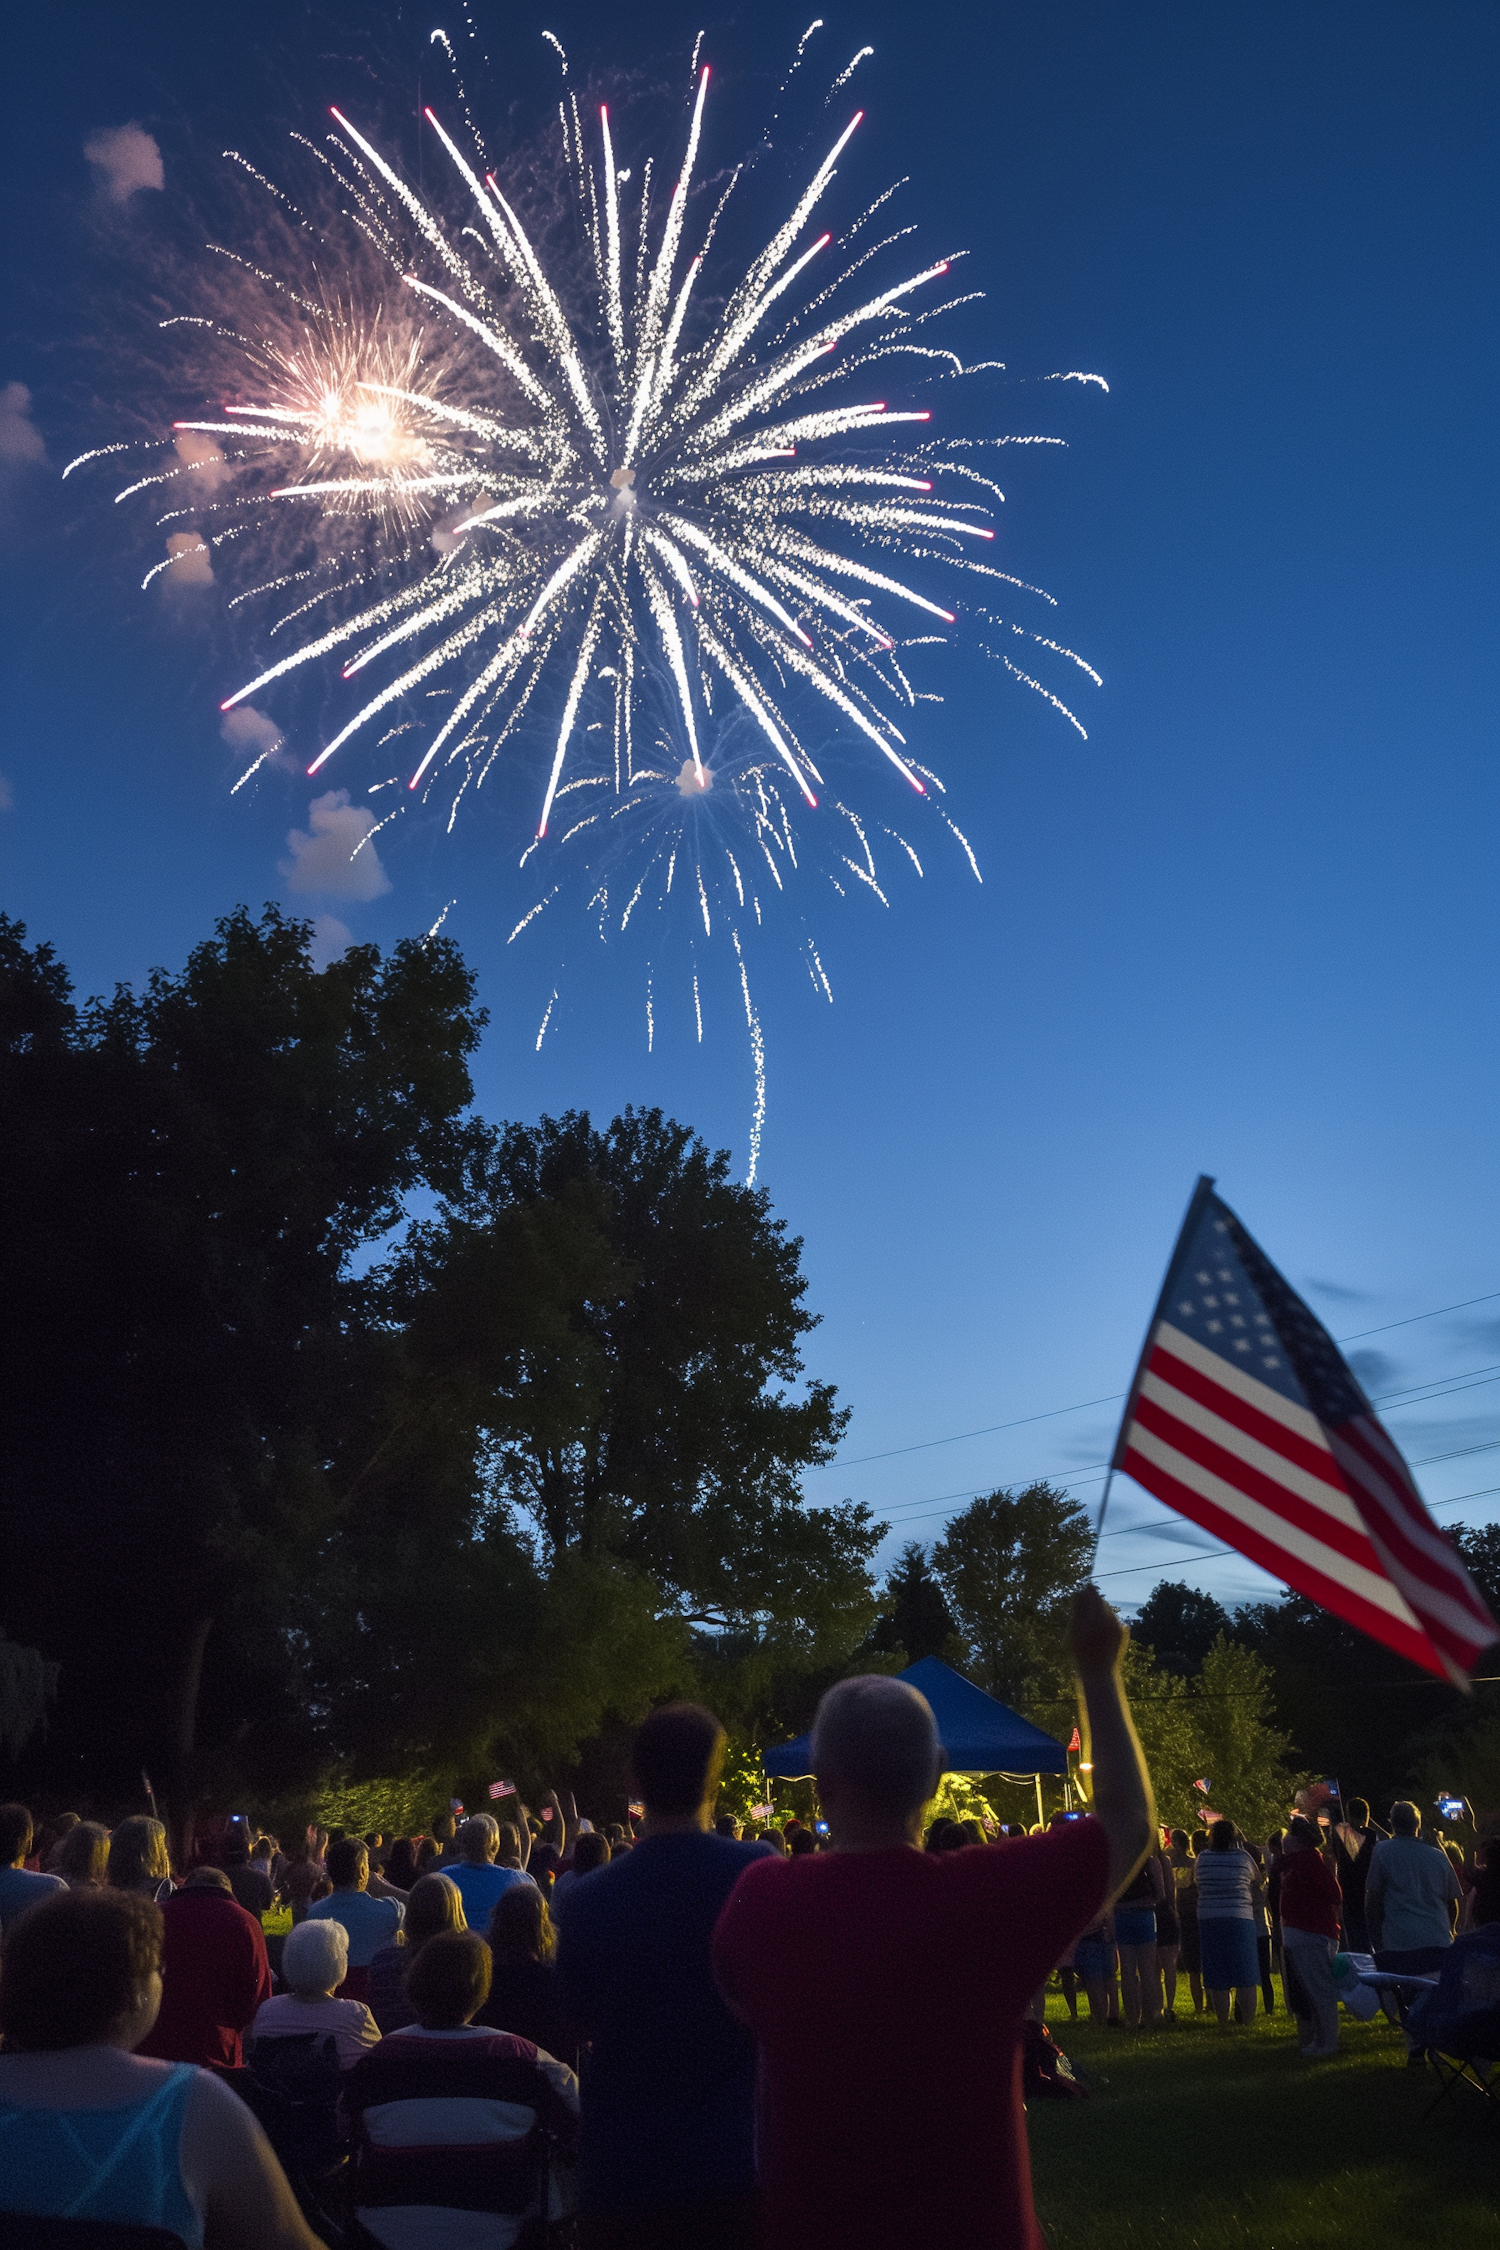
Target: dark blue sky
[(1248, 927)]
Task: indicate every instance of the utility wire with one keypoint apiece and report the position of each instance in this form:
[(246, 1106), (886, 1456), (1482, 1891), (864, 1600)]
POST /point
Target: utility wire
[(957, 1437)]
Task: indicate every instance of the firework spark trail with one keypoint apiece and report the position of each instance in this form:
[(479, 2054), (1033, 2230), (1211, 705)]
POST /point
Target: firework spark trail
[(536, 492), (594, 472)]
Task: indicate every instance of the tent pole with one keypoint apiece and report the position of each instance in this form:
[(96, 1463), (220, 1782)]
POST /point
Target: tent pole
[(1041, 1817)]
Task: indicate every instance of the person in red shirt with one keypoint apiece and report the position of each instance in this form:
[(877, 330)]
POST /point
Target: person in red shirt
[(214, 1974), (886, 1986), (1311, 1902)]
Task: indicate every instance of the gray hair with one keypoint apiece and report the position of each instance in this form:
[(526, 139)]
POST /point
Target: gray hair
[(478, 1838), (315, 1956), (877, 1737)]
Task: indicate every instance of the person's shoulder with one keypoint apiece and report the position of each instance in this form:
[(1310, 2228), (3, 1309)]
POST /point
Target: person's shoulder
[(323, 1909)]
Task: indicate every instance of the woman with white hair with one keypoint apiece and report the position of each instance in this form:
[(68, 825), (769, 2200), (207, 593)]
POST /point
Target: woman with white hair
[(314, 1962)]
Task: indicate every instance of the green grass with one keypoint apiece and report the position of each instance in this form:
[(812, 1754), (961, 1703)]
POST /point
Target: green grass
[(1197, 2139)]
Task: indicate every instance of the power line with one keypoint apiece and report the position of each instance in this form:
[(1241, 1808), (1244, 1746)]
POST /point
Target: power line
[(957, 1437), (1394, 1401), (1212, 1554)]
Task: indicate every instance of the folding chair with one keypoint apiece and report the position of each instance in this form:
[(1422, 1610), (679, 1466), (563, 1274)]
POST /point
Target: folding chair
[(396, 2163), (1459, 2022)]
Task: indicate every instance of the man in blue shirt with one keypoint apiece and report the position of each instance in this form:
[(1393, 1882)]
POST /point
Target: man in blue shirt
[(666, 2146), (370, 1922), (477, 1877), (19, 1888)]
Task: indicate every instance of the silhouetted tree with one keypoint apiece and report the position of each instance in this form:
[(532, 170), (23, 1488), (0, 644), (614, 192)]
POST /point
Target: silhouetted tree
[(1180, 1625), (1009, 1564), (916, 1620)]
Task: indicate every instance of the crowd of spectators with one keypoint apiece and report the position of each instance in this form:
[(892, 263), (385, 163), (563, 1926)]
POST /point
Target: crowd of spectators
[(668, 2031)]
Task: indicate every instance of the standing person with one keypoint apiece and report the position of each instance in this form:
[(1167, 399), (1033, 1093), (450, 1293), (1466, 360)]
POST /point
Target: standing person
[(1095, 1963), (305, 1877), (523, 1981), (590, 1851), (1135, 1942), (1354, 1842), (1228, 1883), (1185, 1878), (1168, 1934), (667, 2144), (1411, 1892), (491, 1859), (1275, 1843), (251, 1885), (214, 1974), (20, 1887), (370, 1922), (1263, 1932), (138, 1859), (1310, 1935), (92, 2131), (887, 1985), (444, 1833)]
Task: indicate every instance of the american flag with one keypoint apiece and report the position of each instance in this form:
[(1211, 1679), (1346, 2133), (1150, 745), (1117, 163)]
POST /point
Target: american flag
[(1244, 1417)]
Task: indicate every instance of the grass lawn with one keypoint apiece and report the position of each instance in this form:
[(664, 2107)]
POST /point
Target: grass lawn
[(1197, 2139)]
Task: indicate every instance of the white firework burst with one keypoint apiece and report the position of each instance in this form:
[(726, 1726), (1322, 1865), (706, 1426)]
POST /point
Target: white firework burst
[(620, 494)]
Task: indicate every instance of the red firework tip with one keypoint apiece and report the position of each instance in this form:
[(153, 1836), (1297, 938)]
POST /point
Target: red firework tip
[(943, 268), (859, 117), (429, 113), (312, 769), (925, 415), (229, 706), (705, 71), (921, 792), (949, 616), (986, 535), (604, 111)]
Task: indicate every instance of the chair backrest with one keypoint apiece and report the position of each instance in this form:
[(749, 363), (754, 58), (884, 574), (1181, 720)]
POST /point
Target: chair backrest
[(301, 2066), (1468, 1987), (25, 2231), (477, 2134)]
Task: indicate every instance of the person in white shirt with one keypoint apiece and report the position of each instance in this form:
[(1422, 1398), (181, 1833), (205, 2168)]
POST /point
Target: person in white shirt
[(1410, 1894), (314, 1963)]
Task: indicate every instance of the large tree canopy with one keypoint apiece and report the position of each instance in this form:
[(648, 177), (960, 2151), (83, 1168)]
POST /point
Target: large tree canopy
[(186, 1171), (622, 1322), (1009, 1565), (276, 1514)]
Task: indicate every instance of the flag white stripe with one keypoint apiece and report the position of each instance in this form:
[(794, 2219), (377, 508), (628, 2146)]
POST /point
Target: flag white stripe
[(1319, 1492), (1244, 1385), (1396, 1506), (1371, 1586)]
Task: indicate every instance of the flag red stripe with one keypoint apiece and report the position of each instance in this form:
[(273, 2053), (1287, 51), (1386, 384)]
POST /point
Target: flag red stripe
[(1313, 1458), (1451, 1609), (1400, 1512), (1330, 1593), (1345, 1539)]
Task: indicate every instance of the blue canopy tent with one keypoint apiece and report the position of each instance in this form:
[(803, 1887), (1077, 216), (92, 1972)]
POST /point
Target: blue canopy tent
[(978, 1734)]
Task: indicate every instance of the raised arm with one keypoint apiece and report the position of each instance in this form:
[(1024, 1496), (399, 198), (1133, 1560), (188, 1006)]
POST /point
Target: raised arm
[(1123, 1802)]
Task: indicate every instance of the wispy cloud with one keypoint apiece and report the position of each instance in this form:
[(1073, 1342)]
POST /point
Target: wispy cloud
[(331, 855), (125, 159), (253, 734), (21, 441), (1337, 1293)]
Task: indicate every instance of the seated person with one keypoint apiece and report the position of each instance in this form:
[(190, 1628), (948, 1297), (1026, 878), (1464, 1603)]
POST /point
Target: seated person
[(91, 2130), (454, 2124), (432, 1907), (523, 1987), (370, 1922), (314, 1962)]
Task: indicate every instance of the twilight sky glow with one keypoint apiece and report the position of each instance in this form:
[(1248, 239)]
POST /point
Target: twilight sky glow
[(1248, 927)]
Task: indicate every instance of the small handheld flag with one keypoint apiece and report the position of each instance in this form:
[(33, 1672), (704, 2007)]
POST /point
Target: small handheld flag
[(1246, 1419)]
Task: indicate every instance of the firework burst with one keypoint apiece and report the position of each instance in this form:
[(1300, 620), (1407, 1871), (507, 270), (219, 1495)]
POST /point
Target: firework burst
[(609, 501)]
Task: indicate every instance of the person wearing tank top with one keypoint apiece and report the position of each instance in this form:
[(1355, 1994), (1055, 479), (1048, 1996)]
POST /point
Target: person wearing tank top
[(90, 2130)]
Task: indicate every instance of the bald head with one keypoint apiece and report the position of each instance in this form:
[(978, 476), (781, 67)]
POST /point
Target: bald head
[(875, 1741)]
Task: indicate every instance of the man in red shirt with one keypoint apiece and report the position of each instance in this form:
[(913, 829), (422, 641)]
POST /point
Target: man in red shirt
[(214, 1974), (887, 1986)]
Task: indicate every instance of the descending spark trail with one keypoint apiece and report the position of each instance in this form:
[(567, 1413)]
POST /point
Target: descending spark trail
[(557, 501)]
